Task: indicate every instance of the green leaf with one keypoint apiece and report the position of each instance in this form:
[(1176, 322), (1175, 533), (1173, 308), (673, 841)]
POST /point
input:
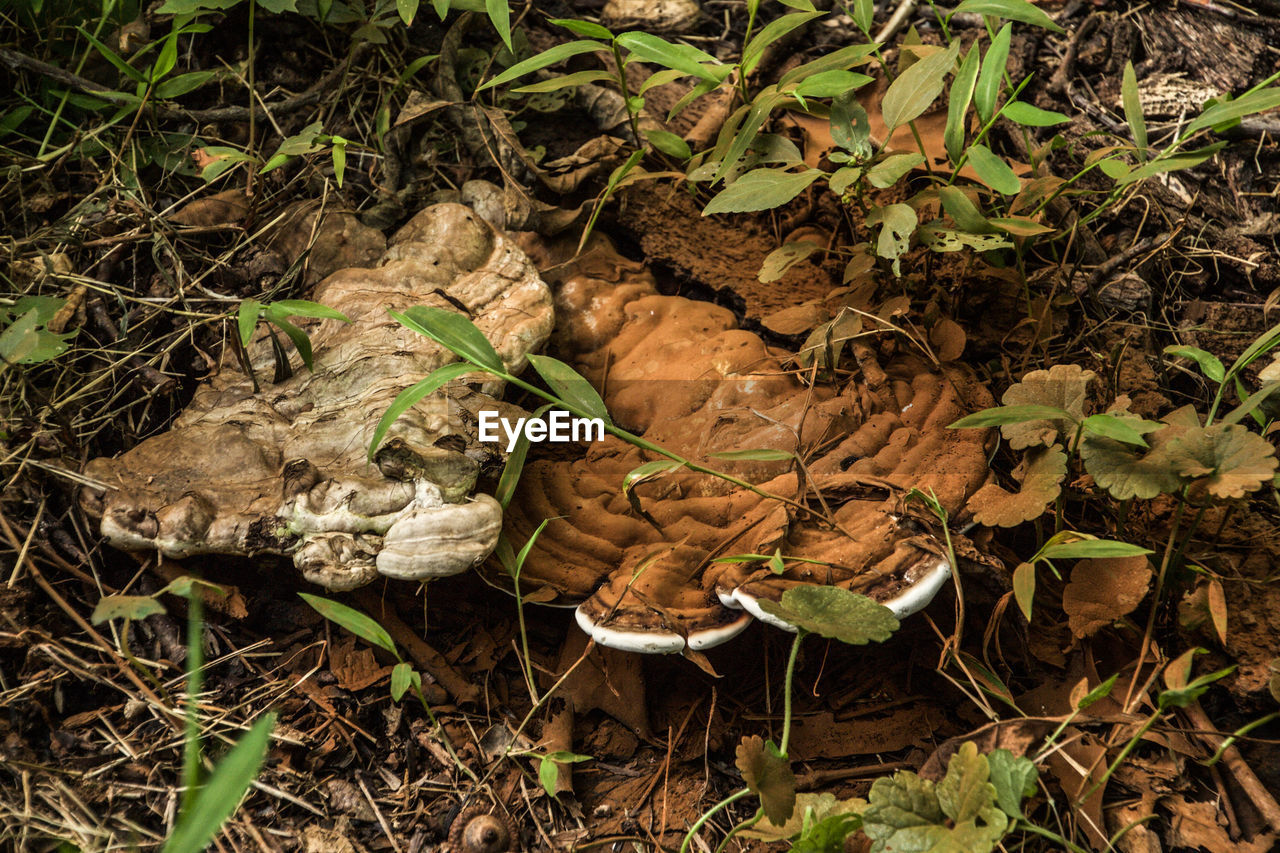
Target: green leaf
[(648, 471), (306, 308), (1132, 102), (1013, 10), (835, 613), (582, 28), (218, 799), (1024, 587), (761, 189), (958, 105), (125, 607), (1226, 460), (753, 50), (455, 333), (1018, 414), (1120, 429), (1261, 345), (1209, 363), (1031, 116), (528, 546), (991, 79), (404, 676), (1253, 401), (993, 171), (831, 84), (550, 56), (178, 86), (851, 127), (364, 627), (762, 454), (1098, 693), (681, 57), (500, 16), (549, 768), (1246, 105), (897, 223), (966, 214), (890, 170), (668, 143), (300, 340), (845, 57), (1014, 779), (339, 162), (1019, 226), (1171, 163), (409, 397), (408, 10), (570, 386), (511, 472), (916, 88), (747, 130), (767, 772), (1085, 548)]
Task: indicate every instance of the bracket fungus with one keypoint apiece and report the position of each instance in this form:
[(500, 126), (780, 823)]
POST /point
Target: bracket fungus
[(680, 560), (687, 565), (284, 470)]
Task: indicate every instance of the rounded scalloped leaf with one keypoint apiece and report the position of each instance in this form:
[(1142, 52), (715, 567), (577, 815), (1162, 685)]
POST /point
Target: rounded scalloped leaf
[(1103, 590), (1226, 460), (1063, 386), (834, 613), (1128, 471), (1041, 473)]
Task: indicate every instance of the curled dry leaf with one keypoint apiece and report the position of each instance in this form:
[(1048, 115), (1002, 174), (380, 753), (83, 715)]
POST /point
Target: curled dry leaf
[(1041, 472), (1103, 590), (1225, 460), (1063, 386)]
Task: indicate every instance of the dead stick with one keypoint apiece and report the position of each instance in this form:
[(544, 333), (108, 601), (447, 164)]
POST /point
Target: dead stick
[(1259, 796)]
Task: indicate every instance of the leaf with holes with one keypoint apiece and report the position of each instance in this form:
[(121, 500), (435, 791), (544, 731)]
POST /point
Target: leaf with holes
[(767, 772), (783, 258), (897, 223)]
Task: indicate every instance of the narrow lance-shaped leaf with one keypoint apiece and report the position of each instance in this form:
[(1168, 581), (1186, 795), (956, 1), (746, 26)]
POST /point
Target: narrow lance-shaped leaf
[(686, 58), (991, 78), (1001, 415), (454, 332), (409, 397), (1013, 10), (551, 56), (1092, 548), (218, 799), (570, 386), (761, 189), (958, 105), (500, 17), (511, 472), (993, 171), (1132, 102), (353, 620)]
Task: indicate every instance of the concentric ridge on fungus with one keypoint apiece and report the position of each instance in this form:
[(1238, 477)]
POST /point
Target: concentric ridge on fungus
[(681, 373), (284, 470)]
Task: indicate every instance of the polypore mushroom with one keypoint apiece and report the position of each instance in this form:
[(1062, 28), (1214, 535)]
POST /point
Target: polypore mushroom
[(683, 375), (284, 469)]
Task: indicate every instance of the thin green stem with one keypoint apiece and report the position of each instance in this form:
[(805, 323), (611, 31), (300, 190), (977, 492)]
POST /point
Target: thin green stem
[(710, 813), (626, 93), (1124, 753), (786, 687), (1028, 826), (745, 824), (444, 735)]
